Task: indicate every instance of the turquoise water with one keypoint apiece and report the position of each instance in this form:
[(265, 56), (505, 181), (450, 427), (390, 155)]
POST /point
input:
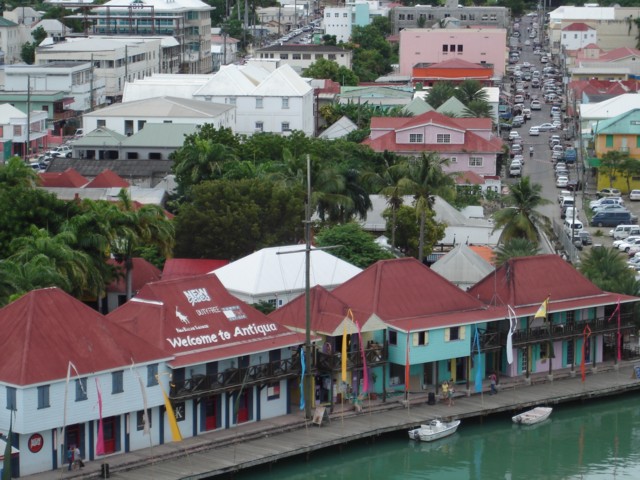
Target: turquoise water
[(595, 440)]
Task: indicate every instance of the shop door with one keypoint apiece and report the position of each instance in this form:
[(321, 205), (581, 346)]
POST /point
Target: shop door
[(210, 413), (243, 407), (110, 434)]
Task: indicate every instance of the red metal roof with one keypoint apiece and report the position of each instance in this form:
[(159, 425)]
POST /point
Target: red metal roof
[(619, 53), (197, 315), (46, 329), (70, 178), (108, 179), (188, 267), (524, 283), (468, 178), (577, 27), (456, 63), (143, 272)]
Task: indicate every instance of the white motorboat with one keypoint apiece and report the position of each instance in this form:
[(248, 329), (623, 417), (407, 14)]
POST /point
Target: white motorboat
[(434, 430), (533, 416)]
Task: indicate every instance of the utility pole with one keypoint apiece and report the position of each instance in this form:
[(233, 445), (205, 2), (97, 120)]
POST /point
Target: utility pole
[(28, 149)]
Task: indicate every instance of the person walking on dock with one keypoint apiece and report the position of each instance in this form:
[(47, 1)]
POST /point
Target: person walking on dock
[(493, 379)]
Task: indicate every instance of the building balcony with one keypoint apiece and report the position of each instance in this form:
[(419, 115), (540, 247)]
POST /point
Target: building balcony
[(375, 354), (200, 385)]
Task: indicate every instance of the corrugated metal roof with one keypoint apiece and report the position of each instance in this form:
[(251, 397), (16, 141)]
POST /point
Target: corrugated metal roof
[(169, 107)]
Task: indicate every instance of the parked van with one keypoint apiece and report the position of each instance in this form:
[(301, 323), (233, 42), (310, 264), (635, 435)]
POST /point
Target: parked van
[(515, 170), (569, 226), (569, 213), (567, 202), (611, 218), (624, 231)]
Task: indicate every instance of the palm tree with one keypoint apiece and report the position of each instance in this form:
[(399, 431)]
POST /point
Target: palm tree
[(478, 109), (17, 278), (199, 160), (425, 178), (17, 173), (440, 93), (471, 91), (520, 218), (607, 269), (515, 247)]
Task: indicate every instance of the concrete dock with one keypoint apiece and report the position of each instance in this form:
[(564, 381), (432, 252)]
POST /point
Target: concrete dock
[(268, 441)]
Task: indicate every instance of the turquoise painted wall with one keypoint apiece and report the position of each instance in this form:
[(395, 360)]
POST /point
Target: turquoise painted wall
[(436, 349), (361, 14)]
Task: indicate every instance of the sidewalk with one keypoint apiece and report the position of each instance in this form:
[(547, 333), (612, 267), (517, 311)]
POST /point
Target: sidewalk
[(212, 450)]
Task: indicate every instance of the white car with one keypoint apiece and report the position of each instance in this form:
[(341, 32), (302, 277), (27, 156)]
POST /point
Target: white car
[(562, 182), (534, 131), (562, 194), (536, 105), (617, 243), (61, 151), (513, 134), (627, 244), (634, 195)]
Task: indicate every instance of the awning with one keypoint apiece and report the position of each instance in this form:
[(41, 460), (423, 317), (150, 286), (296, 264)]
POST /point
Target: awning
[(68, 100), (3, 446)]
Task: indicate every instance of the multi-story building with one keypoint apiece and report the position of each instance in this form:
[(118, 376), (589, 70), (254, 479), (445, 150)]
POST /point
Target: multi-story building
[(300, 57), (12, 37), (484, 46), (339, 21), (187, 21), (578, 35), (115, 60), (427, 16)]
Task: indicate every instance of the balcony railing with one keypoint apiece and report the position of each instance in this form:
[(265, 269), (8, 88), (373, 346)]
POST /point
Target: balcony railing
[(570, 330), (201, 385), (332, 362)]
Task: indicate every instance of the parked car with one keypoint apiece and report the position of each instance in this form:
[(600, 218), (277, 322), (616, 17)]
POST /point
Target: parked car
[(61, 151), (634, 195), (606, 201), (608, 192), (585, 237), (513, 135), (536, 105), (562, 182), (546, 127), (535, 131), (611, 218)]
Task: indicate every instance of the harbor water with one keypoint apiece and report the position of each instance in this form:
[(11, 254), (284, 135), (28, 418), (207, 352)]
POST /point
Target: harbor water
[(593, 440)]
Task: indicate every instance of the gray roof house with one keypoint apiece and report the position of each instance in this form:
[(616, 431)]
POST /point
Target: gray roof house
[(462, 267)]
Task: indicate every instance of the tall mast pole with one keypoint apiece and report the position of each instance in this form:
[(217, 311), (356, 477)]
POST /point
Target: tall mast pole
[(307, 293)]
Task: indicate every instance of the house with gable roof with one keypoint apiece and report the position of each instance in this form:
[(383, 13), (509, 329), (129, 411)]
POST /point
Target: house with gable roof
[(231, 363), (577, 35), (468, 143), (555, 342), (276, 275), (58, 354), (404, 310), (280, 102), (462, 267)]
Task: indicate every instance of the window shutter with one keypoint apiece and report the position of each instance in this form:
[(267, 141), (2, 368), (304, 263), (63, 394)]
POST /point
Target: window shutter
[(426, 338), (416, 338), (461, 333), (447, 334)]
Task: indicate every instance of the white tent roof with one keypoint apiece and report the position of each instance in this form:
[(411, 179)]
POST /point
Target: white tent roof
[(269, 271)]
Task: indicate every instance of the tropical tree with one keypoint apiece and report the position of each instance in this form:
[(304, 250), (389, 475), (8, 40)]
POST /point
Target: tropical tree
[(16, 173), (440, 93), (469, 91), (520, 218), (17, 278), (611, 162), (425, 178), (477, 109), (515, 247), (629, 168), (328, 69), (607, 269), (407, 230), (356, 246)]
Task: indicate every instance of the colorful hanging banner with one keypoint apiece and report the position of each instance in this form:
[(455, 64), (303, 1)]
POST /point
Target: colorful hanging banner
[(585, 338), (100, 441), (303, 368)]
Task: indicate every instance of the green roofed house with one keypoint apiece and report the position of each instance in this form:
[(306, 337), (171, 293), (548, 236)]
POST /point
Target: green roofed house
[(379, 96), (453, 106)]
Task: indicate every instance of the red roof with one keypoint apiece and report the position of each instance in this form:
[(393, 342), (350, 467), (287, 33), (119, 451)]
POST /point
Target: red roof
[(456, 63), (473, 142), (70, 178), (524, 283), (577, 27), (468, 178), (108, 179), (189, 267), (619, 53), (143, 272), (196, 318), (46, 329), (485, 252)]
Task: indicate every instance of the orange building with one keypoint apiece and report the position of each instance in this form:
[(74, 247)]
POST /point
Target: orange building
[(455, 70)]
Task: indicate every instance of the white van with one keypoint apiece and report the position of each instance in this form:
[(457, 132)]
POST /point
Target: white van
[(569, 213), (576, 226), (567, 202), (515, 169), (624, 231)]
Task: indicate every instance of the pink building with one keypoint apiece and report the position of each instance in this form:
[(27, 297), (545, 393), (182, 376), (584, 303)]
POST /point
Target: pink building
[(475, 45), (468, 143)]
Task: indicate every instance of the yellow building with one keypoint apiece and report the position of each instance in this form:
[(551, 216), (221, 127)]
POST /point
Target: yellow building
[(620, 134)]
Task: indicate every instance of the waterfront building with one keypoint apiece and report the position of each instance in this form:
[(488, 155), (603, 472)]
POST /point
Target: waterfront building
[(58, 355), (230, 364), (551, 338)]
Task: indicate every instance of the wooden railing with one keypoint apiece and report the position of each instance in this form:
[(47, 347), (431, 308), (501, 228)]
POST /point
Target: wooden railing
[(332, 362), (234, 378)]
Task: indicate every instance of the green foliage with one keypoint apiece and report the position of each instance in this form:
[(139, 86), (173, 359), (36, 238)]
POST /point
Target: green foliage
[(612, 162), (264, 307), (440, 93), (407, 230), (520, 218), (515, 247), (356, 246), (231, 219), (607, 269), (39, 34), (328, 69), (468, 195), (28, 53), (372, 54)]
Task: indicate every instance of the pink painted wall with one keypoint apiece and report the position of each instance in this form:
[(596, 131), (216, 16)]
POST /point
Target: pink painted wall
[(430, 133), (478, 45)]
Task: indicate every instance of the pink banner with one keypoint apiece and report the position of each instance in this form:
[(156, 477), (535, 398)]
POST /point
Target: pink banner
[(100, 442)]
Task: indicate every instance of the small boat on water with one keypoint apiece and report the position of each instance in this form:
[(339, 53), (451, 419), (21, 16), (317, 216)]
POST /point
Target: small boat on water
[(533, 416), (434, 430)]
